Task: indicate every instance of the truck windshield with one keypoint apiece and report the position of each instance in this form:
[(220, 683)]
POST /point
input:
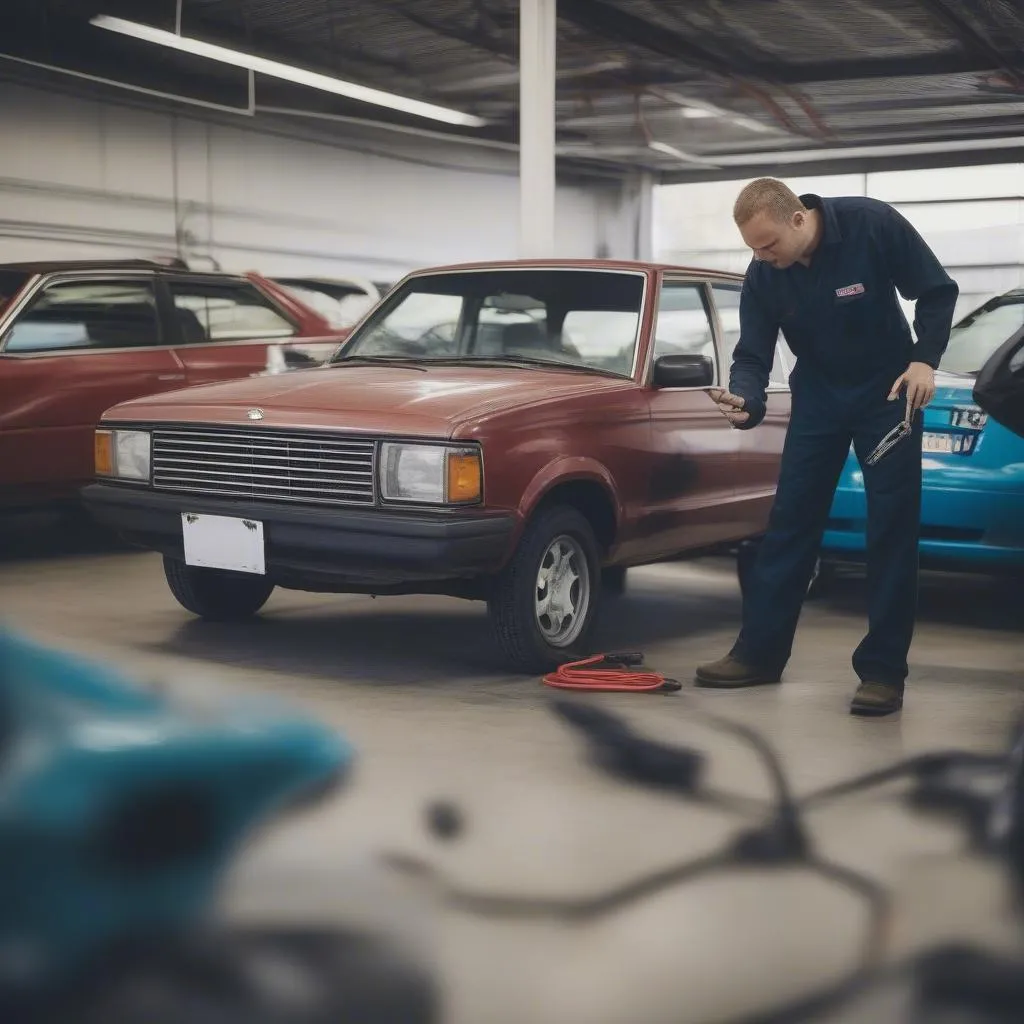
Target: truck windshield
[(977, 336), (587, 319)]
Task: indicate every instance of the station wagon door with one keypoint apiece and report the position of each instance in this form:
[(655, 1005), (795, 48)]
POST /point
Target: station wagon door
[(759, 455), (224, 328), (78, 346), (692, 489)]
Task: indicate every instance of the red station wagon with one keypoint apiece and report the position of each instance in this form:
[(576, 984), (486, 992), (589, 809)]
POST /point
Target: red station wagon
[(518, 433), (76, 338)]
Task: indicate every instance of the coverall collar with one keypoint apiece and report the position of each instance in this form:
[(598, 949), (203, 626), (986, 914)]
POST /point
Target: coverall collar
[(832, 234)]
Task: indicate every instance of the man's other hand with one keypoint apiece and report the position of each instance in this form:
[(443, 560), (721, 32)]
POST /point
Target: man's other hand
[(730, 405), (919, 380)]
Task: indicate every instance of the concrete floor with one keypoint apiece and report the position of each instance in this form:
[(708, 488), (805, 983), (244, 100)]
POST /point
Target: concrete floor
[(418, 687)]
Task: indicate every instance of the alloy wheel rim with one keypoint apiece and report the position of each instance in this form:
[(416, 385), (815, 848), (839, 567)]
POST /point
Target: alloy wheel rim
[(562, 591)]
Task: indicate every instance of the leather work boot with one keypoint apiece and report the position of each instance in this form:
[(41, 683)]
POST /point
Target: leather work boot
[(876, 699), (731, 673)]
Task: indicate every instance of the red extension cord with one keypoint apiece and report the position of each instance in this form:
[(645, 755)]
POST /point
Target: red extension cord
[(618, 674)]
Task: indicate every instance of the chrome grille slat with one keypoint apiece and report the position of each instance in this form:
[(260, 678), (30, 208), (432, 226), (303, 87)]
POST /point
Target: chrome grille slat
[(270, 465), (231, 468), (266, 446)]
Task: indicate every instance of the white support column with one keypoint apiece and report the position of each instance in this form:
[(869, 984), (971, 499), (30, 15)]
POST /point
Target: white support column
[(644, 242), (537, 35)]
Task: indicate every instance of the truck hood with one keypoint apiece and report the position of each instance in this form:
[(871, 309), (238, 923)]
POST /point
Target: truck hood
[(434, 401)]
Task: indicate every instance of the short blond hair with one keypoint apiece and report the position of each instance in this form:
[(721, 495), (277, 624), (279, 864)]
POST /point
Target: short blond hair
[(766, 195)]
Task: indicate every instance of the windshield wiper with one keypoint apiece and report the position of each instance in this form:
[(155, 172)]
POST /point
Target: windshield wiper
[(403, 361)]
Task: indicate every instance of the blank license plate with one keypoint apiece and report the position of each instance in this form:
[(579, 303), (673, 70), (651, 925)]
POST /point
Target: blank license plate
[(951, 444), (221, 542)]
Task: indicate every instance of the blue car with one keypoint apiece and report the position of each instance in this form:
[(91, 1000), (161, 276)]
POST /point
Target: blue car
[(972, 515)]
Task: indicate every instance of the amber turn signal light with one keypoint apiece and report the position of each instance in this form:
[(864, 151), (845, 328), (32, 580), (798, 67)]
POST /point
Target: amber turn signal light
[(465, 477), (103, 450)]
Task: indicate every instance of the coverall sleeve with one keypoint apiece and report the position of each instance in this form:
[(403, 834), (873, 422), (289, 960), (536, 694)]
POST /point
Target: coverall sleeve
[(920, 277), (754, 354)]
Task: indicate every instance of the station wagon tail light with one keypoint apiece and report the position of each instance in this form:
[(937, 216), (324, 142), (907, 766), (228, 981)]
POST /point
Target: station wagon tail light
[(430, 474), (968, 416), (123, 454)]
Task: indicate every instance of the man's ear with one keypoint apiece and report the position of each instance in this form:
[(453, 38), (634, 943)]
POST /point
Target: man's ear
[(798, 219)]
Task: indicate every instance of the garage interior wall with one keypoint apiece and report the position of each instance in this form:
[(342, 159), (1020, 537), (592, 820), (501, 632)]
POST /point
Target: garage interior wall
[(83, 179), (973, 218)]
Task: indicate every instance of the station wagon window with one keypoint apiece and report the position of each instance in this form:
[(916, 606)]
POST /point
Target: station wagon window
[(587, 319), (69, 316), (217, 311), (727, 302), (974, 340), (11, 283)]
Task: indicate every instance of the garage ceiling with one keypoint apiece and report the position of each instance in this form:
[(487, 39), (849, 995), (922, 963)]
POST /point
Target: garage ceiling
[(689, 90)]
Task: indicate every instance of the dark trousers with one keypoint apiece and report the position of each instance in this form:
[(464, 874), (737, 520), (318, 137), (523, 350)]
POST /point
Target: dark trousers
[(825, 420)]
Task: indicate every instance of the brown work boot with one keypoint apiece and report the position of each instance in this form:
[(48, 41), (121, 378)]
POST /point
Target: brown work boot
[(729, 672), (876, 699)]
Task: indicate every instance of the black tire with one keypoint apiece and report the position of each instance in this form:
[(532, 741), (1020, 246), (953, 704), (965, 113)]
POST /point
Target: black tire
[(215, 594), (513, 600), (613, 580)]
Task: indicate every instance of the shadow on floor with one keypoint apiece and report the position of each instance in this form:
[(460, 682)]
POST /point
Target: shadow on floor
[(443, 640), (46, 534), (955, 599)]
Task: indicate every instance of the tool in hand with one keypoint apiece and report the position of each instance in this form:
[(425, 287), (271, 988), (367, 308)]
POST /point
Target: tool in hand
[(902, 430)]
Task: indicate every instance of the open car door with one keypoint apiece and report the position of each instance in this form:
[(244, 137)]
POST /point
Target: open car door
[(999, 387)]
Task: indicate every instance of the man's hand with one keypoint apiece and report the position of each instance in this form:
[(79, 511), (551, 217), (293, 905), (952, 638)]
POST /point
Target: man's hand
[(919, 380), (730, 405)]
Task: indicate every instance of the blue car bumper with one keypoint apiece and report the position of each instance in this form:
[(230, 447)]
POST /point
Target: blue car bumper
[(972, 505)]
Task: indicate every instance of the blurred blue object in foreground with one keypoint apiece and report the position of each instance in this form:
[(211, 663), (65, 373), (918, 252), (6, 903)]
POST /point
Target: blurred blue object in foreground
[(121, 808)]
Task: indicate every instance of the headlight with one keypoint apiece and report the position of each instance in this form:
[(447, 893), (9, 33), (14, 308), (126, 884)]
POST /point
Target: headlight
[(124, 454), (431, 474)]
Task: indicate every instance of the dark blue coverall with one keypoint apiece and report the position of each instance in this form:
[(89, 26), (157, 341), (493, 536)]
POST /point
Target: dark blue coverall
[(843, 322)]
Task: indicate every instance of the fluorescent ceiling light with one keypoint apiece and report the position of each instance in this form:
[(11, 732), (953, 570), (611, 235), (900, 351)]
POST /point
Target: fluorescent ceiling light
[(286, 72), (695, 113), (686, 158)]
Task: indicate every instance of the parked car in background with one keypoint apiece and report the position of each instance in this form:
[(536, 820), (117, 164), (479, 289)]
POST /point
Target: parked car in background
[(76, 338), (559, 434), (343, 302), (972, 515)]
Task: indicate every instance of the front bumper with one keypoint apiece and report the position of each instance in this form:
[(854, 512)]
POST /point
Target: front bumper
[(308, 546)]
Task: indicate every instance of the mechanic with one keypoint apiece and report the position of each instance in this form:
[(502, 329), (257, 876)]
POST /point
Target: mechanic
[(825, 272)]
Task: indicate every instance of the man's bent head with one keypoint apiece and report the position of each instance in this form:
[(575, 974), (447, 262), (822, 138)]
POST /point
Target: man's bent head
[(774, 223)]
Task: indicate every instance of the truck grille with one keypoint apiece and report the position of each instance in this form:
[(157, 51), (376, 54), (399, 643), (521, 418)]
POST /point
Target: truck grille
[(271, 465)]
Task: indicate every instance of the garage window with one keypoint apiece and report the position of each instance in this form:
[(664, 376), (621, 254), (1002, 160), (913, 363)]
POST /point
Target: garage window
[(69, 316), (217, 311)]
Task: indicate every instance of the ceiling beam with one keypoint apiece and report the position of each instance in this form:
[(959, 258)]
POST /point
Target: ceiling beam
[(912, 156), (970, 37), (610, 22), (924, 66)]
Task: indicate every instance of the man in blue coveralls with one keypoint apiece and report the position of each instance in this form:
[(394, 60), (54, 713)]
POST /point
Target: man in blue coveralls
[(826, 272)]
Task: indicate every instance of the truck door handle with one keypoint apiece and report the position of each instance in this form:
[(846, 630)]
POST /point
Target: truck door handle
[(171, 376)]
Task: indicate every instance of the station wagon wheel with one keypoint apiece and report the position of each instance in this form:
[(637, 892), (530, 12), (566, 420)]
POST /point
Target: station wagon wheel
[(542, 604), (563, 591)]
